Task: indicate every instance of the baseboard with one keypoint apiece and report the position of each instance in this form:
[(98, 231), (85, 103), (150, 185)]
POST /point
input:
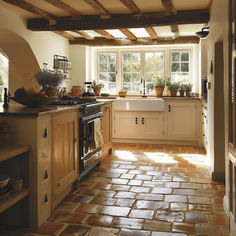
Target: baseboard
[(216, 175), (157, 141)]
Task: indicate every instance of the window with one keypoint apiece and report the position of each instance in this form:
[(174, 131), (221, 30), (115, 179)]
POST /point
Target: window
[(3, 75), (131, 71), (154, 68), (123, 67), (180, 63), (107, 71)]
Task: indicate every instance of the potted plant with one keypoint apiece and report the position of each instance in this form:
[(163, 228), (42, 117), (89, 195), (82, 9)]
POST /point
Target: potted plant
[(182, 88), (188, 89), (159, 86), (97, 88), (122, 93), (173, 87), (49, 80)]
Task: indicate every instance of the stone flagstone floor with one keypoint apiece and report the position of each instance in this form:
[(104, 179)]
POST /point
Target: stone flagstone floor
[(144, 190)]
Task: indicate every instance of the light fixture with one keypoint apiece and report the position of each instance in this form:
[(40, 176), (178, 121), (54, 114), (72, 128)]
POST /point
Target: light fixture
[(202, 34)]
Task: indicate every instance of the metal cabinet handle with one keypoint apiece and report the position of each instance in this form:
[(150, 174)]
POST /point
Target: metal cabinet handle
[(46, 174), (169, 108), (45, 135), (136, 120), (143, 120), (46, 198)]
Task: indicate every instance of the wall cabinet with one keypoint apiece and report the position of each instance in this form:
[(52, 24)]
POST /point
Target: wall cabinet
[(138, 124), (64, 152), (181, 118)]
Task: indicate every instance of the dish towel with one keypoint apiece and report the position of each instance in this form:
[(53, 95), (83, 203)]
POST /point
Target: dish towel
[(98, 139)]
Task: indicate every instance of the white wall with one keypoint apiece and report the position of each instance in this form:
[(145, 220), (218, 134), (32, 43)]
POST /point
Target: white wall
[(43, 44)]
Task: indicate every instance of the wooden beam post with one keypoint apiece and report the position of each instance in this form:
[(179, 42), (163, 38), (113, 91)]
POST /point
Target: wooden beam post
[(98, 8), (131, 6), (105, 34), (84, 34), (65, 35), (129, 34), (151, 32), (65, 7), (126, 42), (117, 21), (168, 6)]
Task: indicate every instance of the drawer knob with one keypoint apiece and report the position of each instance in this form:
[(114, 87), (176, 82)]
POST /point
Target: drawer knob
[(46, 198), (45, 135), (46, 174)]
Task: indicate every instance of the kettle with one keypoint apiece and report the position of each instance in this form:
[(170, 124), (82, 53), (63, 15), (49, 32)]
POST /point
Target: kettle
[(88, 90)]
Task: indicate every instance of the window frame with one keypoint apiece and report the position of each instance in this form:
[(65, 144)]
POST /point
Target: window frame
[(166, 50), (190, 62)]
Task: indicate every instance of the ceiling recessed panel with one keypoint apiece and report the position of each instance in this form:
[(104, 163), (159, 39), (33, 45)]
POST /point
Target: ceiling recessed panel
[(191, 4), (190, 30), (163, 31)]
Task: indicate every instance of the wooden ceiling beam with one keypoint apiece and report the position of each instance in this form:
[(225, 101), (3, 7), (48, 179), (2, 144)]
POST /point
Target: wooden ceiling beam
[(65, 7), (116, 21), (168, 6), (98, 8), (151, 32), (105, 34), (126, 42), (131, 6), (129, 34), (30, 8), (84, 34), (65, 35), (175, 30)]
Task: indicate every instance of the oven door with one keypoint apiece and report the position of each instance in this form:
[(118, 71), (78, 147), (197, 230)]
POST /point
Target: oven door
[(90, 141)]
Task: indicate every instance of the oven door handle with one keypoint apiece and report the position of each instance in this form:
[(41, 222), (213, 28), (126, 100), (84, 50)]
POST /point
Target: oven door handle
[(100, 118)]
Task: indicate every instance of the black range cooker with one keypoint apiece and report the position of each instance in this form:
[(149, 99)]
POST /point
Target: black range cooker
[(90, 137)]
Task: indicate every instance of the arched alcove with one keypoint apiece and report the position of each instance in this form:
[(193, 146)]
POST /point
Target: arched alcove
[(22, 61)]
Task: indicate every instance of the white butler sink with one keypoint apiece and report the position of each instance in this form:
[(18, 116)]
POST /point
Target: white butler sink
[(139, 104)]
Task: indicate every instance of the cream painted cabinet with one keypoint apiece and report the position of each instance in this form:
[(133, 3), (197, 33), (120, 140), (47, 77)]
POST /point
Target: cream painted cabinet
[(126, 124), (146, 125), (64, 153), (181, 120)]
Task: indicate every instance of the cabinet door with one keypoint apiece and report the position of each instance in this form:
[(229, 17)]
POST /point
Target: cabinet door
[(126, 125), (106, 123), (181, 120), (64, 157), (152, 125)]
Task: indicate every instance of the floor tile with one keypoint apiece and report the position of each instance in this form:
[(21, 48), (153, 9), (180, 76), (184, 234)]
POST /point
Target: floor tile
[(115, 211), (129, 232), (121, 222), (156, 225), (103, 201), (143, 214), (77, 230), (170, 216), (162, 190), (99, 220), (88, 208), (140, 189), (195, 217), (153, 205), (122, 194), (184, 228), (149, 196), (50, 228), (125, 202), (175, 198), (178, 206)]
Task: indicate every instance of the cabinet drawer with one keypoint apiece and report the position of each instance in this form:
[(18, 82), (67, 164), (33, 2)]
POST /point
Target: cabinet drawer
[(44, 171), (44, 202)]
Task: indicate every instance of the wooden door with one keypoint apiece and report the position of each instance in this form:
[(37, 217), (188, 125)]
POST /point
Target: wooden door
[(126, 125), (181, 120), (64, 151), (152, 125), (230, 118)]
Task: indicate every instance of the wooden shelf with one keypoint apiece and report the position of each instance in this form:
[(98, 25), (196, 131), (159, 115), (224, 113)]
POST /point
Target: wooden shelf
[(13, 199), (11, 151)]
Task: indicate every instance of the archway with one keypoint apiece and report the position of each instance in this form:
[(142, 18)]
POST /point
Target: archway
[(22, 61)]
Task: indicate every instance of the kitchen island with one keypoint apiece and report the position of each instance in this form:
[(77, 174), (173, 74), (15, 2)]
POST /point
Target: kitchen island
[(52, 132)]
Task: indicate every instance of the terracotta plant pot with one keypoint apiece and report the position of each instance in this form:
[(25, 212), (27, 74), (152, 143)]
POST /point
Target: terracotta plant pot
[(122, 93), (159, 91), (181, 93), (173, 92), (76, 91), (51, 91), (97, 91), (188, 93)]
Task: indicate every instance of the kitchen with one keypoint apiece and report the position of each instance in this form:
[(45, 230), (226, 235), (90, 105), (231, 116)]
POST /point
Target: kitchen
[(16, 41)]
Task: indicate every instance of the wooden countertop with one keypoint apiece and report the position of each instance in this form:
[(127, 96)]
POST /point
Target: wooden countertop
[(20, 110)]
